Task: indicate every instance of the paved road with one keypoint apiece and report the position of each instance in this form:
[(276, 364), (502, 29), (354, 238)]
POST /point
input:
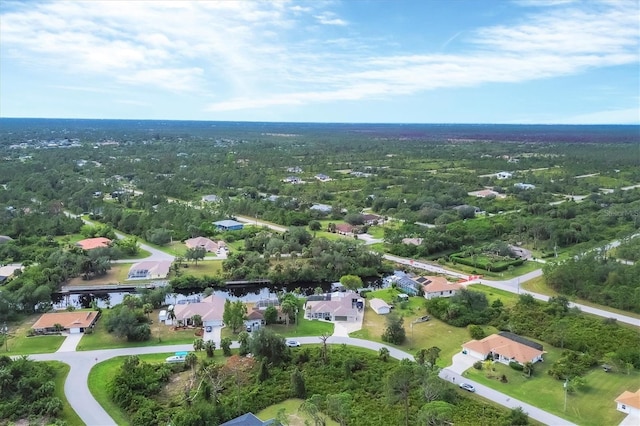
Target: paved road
[(505, 400), (78, 394)]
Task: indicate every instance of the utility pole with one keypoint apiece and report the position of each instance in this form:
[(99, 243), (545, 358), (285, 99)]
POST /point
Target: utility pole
[(565, 393)]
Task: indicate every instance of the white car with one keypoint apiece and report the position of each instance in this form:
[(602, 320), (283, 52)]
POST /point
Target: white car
[(292, 343), (467, 387), (174, 359)]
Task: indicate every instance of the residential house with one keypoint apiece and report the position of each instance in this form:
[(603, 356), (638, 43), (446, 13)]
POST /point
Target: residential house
[(295, 169), (94, 243), (322, 208), (228, 225), (504, 175), (7, 271), (5, 239), (484, 193), (403, 282), (210, 309), (255, 319), (322, 177), (476, 210), (249, 419), (293, 180), (372, 219), (72, 322), (412, 241), (434, 287), (629, 402), (211, 198), (524, 185), (345, 228), (207, 244), (505, 348), (379, 306), (336, 306), (149, 269)]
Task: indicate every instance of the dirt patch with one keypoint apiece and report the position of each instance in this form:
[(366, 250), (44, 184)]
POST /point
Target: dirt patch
[(239, 363)]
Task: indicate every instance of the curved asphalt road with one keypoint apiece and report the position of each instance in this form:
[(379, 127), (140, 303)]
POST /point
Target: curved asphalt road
[(77, 391)]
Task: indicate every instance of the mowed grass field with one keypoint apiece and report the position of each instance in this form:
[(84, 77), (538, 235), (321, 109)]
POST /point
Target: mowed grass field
[(593, 405), (160, 335), (421, 335), (19, 343)]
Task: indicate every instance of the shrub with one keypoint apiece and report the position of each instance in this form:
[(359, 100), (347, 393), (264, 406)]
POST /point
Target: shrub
[(516, 366), (477, 365), (477, 332)]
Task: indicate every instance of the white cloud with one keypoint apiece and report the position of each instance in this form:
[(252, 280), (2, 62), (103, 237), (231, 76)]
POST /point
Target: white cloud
[(329, 18), (248, 55)]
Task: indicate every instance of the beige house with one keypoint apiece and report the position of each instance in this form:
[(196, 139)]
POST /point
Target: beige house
[(629, 402), (206, 243), (504, 348), (72, 322), (434, 287), (210, 309), (149, 270)]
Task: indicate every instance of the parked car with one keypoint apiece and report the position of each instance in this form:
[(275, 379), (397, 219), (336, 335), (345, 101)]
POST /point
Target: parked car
[(208, 329), (175, 358), (292, 343), (467, 387)]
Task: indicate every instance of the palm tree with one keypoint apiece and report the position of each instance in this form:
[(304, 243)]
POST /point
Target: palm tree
[(147, 308), (209, 347), (198, 345)]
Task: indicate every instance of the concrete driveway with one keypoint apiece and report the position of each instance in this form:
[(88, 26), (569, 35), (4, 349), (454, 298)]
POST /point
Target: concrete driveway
[(461, 363), (214, 335), (70, 342)]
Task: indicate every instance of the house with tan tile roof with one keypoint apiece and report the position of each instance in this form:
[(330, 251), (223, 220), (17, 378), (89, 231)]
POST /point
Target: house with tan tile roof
[(149, 269), (206, 243), (94, 243), (433, 287), (629, 402), (210, 309), (505, 348), (72, 322)]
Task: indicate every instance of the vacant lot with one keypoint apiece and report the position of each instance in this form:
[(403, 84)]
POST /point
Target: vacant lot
[(421, 335), (160, 335), (116, 275)]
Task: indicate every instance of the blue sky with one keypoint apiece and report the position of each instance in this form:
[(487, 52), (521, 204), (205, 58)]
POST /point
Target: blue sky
[(420, 61)]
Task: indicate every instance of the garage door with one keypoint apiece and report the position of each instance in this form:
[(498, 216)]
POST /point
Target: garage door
[(340, 318)]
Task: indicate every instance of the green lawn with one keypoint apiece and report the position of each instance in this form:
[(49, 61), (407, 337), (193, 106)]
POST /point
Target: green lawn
[(204, 267), (101, 339), (419, 335), (507, 298), (19, 344), (526, 267), (304, 328), (539, 285), (294, 416), (68, 414), (592, 406)]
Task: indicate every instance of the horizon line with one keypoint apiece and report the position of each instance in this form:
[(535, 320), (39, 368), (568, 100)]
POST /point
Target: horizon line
[(328, 122)]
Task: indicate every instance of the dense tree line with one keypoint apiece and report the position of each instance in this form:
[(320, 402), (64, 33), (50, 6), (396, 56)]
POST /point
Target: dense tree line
[(28, 391), (597, 278), (347, 385)]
